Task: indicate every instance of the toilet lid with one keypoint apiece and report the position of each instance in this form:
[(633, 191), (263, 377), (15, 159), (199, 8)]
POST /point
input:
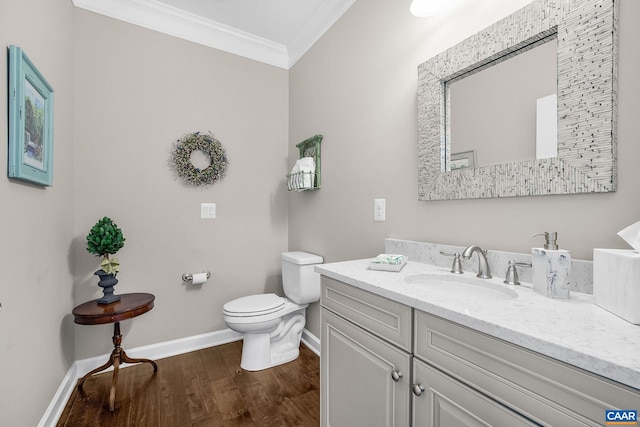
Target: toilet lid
[(254, 305)]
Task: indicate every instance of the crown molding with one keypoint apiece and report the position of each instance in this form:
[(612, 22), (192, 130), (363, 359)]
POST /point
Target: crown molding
[(169, 20), (166, 19), (319, 23)]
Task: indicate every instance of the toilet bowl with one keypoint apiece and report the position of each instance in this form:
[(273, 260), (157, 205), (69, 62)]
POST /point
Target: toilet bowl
[(272, 325), (272, 328)]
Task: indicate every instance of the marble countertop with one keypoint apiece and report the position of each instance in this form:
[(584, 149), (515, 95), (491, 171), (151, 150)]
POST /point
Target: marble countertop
[(574, 330)]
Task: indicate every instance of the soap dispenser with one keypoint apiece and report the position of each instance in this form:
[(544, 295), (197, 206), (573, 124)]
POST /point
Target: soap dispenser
[(551, 268)]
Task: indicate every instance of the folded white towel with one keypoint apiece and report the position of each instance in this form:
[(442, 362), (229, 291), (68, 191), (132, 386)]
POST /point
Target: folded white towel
[(306, 164), (306, 167)]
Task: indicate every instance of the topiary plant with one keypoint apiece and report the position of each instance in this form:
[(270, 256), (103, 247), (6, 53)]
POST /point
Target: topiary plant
[(104, 239)]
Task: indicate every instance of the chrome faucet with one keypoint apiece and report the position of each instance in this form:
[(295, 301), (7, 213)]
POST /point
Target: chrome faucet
[(483, 265)]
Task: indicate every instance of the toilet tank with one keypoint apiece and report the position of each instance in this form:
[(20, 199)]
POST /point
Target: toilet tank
[(301, 284)]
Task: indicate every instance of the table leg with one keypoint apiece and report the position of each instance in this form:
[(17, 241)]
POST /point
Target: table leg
[(118, 356), (101, 368), (127, 359), (114, 379)]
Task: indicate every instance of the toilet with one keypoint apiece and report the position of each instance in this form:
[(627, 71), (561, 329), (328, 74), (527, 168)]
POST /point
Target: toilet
[(272, 325)]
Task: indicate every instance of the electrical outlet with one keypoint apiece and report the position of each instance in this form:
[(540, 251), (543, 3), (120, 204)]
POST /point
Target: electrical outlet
[(379, 209), (207, 210)]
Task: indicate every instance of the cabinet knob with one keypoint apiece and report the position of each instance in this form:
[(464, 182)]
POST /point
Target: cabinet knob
[(418, 389), (396, 375)]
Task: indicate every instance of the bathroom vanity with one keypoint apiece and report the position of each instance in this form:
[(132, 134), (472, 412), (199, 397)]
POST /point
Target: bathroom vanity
[(422, 347)]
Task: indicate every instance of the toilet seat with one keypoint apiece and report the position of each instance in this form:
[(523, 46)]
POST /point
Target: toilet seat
[(254, 305)]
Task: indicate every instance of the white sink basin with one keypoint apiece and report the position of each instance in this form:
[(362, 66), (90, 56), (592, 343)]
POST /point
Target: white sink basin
[(461, 287)]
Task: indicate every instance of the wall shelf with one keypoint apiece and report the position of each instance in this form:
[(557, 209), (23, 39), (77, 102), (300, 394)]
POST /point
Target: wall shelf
[(301, 181)]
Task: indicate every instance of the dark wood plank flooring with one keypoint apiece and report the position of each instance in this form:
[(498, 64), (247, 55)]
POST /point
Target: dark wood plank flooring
[(202, 388)]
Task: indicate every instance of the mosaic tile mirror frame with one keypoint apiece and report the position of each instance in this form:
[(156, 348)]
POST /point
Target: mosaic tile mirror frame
[(586, 32)]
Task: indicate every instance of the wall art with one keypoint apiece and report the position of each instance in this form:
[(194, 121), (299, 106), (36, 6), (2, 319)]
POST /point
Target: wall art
[(182, 162), (30, 121)]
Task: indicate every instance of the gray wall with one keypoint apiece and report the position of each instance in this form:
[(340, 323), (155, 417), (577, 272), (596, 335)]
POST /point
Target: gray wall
[(357, 87), (136, 92), (36, 226), (123, 95)]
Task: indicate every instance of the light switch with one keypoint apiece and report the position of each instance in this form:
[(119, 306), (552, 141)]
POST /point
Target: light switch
[(379, 208), (207, 210)]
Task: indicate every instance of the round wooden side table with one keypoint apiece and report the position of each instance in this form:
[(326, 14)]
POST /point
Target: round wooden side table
[(92, 313)]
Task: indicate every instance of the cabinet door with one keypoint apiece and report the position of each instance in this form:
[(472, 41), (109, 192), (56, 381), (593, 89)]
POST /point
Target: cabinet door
[(446, 402), (358, 387)]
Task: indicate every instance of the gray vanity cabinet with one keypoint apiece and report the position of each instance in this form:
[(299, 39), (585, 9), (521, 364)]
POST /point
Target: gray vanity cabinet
[(365, 358), (386, 364)]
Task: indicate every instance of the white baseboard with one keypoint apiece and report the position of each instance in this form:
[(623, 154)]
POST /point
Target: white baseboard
[(311, 341), (154, 351), (59, 401)]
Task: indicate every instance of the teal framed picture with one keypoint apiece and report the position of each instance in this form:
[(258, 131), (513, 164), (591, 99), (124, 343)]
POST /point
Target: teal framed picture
[(30, 121)]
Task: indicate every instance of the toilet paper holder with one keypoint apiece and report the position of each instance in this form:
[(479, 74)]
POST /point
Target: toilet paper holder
[(187, 277)]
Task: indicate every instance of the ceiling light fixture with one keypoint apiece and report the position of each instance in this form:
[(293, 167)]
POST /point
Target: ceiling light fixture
[(424, 8)]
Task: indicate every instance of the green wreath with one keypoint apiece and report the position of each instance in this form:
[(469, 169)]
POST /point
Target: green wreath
[(209, 145)]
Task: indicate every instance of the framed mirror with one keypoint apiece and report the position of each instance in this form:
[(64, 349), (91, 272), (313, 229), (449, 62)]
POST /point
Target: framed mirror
[(586, 36)]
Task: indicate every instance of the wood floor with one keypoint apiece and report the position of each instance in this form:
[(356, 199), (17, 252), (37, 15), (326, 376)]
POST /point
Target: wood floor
[(202, 388)]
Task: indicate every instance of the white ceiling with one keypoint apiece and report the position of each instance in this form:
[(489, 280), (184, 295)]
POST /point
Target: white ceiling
[(276, 32)]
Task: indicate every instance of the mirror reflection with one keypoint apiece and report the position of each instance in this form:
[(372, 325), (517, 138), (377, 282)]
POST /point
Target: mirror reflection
[(494, 112)]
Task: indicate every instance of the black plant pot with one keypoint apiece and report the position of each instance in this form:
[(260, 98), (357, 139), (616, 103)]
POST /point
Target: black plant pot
[(107, 282)]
